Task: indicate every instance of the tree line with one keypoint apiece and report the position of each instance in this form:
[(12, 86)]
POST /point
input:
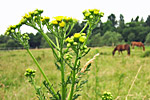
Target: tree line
[(111, 32)]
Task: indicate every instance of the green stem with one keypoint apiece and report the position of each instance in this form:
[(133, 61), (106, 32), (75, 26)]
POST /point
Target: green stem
[(62, 69), (42, 73), (84, 27), (88, 33), (73, 78), (70, 30)]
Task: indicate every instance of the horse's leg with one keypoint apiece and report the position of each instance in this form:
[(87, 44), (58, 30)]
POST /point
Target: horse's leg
[(133, 46), (121, 53)]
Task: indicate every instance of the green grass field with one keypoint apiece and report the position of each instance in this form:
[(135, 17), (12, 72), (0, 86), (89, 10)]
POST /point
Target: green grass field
[(114, 74)]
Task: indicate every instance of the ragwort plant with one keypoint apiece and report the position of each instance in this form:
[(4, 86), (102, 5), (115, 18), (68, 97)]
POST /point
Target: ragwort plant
[(60, 27)]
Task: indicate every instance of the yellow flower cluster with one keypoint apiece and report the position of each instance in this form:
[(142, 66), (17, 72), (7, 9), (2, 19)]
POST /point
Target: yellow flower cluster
[(77, 38), (25, 18), (33, 13), (61, 21), (92, 13), (44, 19), (30, 72)]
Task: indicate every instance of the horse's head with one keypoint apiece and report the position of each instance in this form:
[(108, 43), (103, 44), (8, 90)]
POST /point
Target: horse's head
[(113, 53)]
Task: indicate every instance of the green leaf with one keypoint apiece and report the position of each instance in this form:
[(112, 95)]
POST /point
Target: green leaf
[(58, 67)]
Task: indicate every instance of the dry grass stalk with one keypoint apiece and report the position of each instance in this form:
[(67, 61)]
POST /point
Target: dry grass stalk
[(117, 97), (133, 82), (89, 62)]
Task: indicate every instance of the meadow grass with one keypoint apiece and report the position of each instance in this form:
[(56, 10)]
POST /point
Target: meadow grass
[(115, 74)]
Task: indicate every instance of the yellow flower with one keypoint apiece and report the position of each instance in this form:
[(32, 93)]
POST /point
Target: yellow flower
[(46, 18), (74, 20), (31, 13), (42, 19), (67, 39), (96, 12), (59, 18), (25, 16), (87, 14), (54, 22), (70, 40), (77, 35), (28, 16), (13, 27), (91, 10), (67, 18), (62, 24), (23, 21)]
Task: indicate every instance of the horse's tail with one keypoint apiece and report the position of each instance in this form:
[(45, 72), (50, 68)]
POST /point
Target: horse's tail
[(143, 47)]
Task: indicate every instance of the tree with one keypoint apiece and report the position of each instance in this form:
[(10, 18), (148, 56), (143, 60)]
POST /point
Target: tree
[(147, 41), (121, 24), (12, 44), (112, 18), (95, 41), (112, 38), (35, 40), (148, 21)]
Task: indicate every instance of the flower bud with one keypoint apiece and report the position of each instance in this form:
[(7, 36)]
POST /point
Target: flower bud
[(12, 31), (91, 16), (83, 34), (86, 50), (68, 45), (40, 11), (82, 39), (75, 43), (85, 11), (84, 47), (101, 14)]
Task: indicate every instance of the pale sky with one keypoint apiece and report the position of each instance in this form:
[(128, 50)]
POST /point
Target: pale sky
[(13, 10)]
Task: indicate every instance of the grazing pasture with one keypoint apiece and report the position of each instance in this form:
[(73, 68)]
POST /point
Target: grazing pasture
[(108, 73)]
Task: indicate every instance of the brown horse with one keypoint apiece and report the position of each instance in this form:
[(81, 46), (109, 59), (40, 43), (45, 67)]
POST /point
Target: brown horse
[(121, 48), (139, 44)]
